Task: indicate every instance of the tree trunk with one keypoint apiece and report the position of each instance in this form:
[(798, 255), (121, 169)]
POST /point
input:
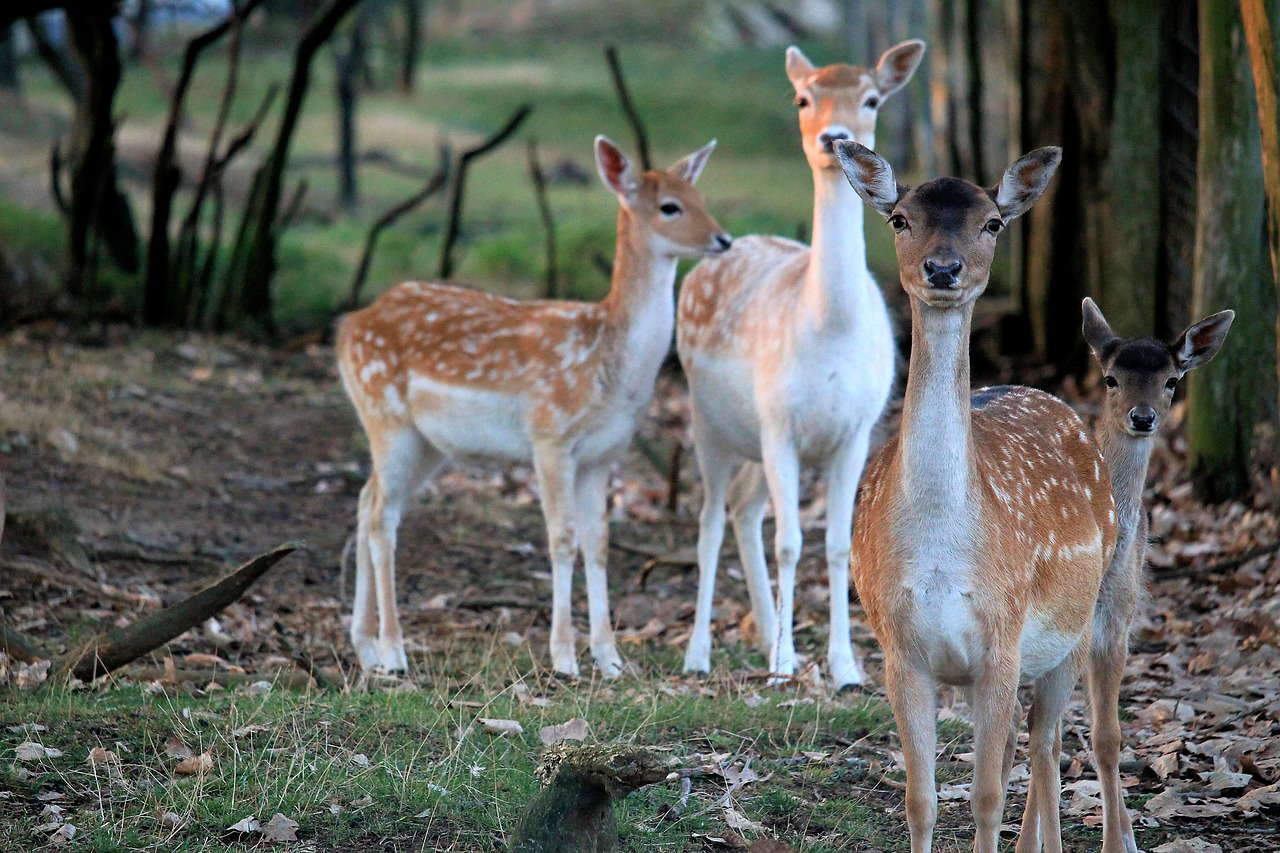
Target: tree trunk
[(1227, 401), (348, 62), (10, 78), (56, 59), (247, 281), (412, 45)]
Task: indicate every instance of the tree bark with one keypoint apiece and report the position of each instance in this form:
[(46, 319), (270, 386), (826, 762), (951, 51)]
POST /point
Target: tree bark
[(1228, 400), (348, 62), (412, 45)]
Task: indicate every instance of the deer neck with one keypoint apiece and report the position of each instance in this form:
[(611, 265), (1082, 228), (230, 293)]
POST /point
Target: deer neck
[(640, 307), (836, 279), (935, 450), (1127, 461)]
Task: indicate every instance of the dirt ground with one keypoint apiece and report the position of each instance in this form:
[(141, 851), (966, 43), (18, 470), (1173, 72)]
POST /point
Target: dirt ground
[(178, 455)]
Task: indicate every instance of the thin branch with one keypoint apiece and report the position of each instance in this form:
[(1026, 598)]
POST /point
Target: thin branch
[(539, 179), (629, 107), (1219, 567), (432, 186), (456, 188)]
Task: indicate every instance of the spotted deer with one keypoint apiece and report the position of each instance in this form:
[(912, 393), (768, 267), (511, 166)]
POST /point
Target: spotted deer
[(985, 525), (1141, 376), (437, 372), (790, 359)]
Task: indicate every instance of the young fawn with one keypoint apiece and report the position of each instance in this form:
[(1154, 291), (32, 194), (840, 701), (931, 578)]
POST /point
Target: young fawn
[(984, 527), (790, 359), (1141, 375), (436, 371)]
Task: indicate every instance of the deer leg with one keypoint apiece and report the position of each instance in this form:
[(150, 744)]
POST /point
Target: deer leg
[(994, 695), (1041, 824), (842, 490), (716, 467), (782, 471), (592, 493), (555, 471), (913, 697), (364, 612), (748, 497), (1106, 667)]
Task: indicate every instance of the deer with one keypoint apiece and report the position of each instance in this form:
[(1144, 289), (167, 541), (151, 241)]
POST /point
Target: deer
[(437, 371), (789, 354), (1141, 376), (985, 525)]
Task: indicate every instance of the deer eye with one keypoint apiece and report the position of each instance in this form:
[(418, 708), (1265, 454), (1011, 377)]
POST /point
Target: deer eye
[(993, 226), (872, 102), (802, 101), (1110, 380), (669, 208), (898, 221), (1171, 384)]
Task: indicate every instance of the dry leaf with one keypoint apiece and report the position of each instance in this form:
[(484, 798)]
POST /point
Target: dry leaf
[(280, 829), (32, 751), (737, 820), (175, 748), (1188, 845), (502, 728), (98, 756), (63, 835), (246, 826), (195, 765), (575, 729)]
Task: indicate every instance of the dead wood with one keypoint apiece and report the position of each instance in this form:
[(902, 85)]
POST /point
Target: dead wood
[(52, 534), (1219, 567), (289, 679), (629, 107), (125, 645), (19, 647), (458, 184)]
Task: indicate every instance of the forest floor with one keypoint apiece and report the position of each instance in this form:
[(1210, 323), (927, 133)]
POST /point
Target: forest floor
[(177, 456)]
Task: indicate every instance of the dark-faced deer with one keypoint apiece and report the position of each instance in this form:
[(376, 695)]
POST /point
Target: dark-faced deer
[(985, 526), (790, 359), (1141, 376), (437, 371)]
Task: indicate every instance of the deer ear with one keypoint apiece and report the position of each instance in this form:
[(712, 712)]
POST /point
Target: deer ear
[(1026, 180), (1200, 343), (615, 170), (798, 65), (897, 65), (1097, 332), (869, 174), (691, 167)]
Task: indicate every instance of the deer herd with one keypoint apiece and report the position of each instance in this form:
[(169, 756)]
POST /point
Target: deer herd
[(995, 544)]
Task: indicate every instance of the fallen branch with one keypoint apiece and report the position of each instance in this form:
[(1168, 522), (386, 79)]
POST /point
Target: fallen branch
[(628, 107), (105, 653), (433, 186), (19, 648), (1218, 567), (456, 187), (289, 679)]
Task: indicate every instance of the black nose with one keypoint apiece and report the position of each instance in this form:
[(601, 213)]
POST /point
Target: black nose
[(724, 241), (942, 273), (1143, 418), (829, 140)]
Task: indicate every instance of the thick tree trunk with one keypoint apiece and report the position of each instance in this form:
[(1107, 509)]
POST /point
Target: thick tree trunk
[(247, 281), (1227, 401)]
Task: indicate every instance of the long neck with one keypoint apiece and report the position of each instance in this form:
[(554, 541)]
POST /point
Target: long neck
[(936, 446), (1127, 460), (641, 301), (837, 276)]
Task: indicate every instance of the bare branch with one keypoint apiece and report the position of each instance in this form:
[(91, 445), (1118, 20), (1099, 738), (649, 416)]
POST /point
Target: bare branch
[(629, 107)]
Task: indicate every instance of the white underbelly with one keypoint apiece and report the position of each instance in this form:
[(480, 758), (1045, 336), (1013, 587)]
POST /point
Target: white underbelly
[(723, 397), (470, 423), (1042, 646)]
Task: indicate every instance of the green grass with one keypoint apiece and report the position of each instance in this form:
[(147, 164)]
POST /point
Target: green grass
[(356, 767), (756, 182)]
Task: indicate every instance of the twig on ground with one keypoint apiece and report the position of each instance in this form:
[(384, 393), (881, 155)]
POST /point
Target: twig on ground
[(1216, 568)]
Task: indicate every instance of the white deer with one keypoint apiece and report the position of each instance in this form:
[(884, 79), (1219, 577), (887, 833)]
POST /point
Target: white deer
[(790, 358), (436, 371)]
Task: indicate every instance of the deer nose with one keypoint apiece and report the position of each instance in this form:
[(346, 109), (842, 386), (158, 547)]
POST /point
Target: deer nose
[(830, 138), (944, 273), (1142, 418), (723, 242)]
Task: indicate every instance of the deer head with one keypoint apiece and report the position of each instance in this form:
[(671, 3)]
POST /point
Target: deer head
[(664, 205), (945, 229), (1141, 374), (841, 101)]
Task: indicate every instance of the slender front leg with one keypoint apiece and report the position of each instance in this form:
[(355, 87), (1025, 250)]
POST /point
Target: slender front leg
[(555, 470), (1106, 668), (913, 697), (748, 497), (1041, 824), (782, 471), (842, 490), (994, 695), (364, 613), (716, 467), (590, 509)]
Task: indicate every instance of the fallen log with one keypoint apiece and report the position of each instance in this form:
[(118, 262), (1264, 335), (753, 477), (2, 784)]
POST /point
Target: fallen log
[(113, 650)]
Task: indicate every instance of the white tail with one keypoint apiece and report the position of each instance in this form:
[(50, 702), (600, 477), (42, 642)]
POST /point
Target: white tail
[(985, 526), (437, 371), (1141, 376), (790, 359)]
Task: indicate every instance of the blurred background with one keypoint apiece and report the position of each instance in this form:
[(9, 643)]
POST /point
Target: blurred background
[(261, 166)]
